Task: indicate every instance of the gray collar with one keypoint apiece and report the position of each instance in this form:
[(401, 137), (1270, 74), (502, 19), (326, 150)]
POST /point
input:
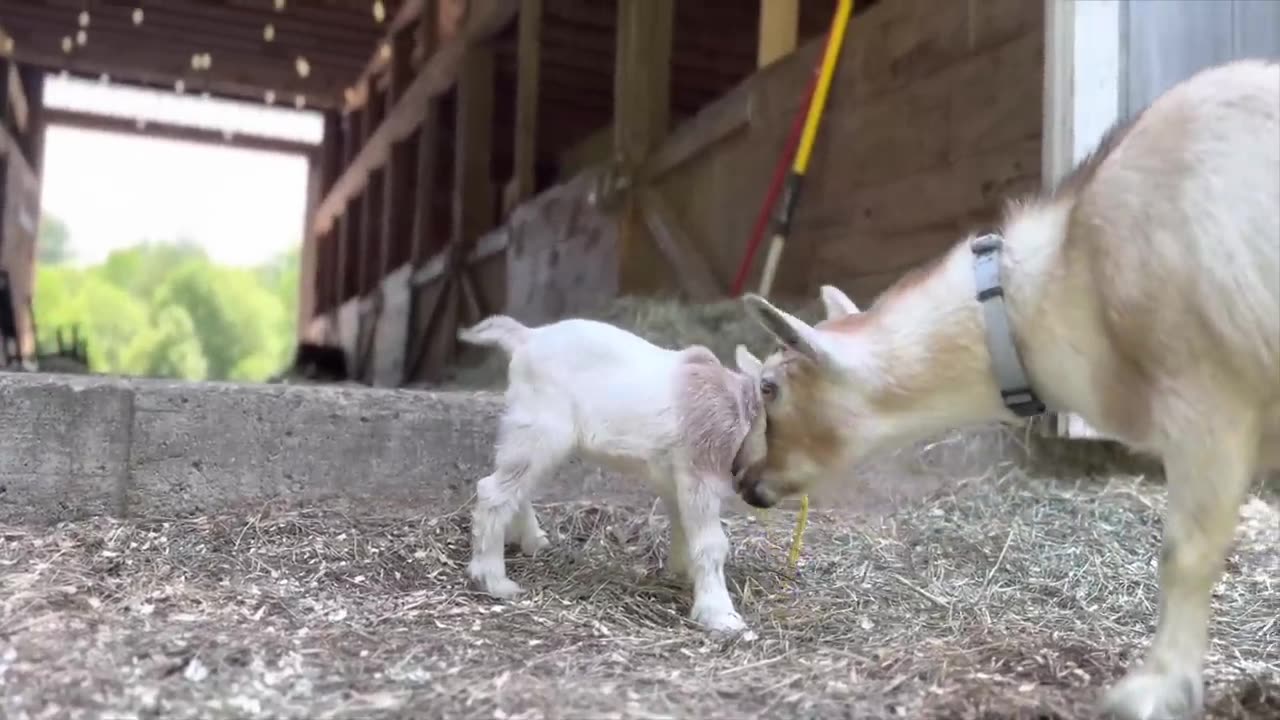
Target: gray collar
[(1011, 376)]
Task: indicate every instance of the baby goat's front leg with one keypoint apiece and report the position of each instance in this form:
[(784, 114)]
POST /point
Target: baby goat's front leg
[(708, 548)]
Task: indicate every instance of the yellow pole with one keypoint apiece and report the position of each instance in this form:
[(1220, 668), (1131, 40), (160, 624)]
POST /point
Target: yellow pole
[(791, 191), (800, 165)]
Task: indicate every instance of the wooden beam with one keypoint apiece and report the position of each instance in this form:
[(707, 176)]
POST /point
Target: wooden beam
[(332, 148), (395, 198), (351, 229), (371, 232), (18, 104), (690, 267), (528, 69), (473, 146), (491, 244), (642, 77), (407, 17), (642, 113), (424, 200), (484, 18), (173, 131), (714, 123), (311, 288), (33, 81), (779, 30)]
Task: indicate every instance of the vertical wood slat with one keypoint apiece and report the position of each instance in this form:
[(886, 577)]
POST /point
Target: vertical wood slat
[(641, 117), (473, 145), (347, 224), (330, 243), (779, 30), (528, 78), (428, 135), (370, 206), (424, 201), (395, 235)]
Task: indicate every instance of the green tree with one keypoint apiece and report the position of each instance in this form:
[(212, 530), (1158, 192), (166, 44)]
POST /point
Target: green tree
[(164, 309), (111, 318), (53, 241), (169, 349), (235, 318), (142, 268)]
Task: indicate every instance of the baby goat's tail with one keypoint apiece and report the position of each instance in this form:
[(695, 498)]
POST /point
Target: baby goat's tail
[(496, 330)]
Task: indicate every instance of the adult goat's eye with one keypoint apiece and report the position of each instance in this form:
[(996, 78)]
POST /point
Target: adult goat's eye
[(768, 388)]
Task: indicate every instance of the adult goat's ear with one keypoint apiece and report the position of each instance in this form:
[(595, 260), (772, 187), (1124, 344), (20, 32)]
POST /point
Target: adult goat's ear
[(747, 362), (837, 304), (788, 329)]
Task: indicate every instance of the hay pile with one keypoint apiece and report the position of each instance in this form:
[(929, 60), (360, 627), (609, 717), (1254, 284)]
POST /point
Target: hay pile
[(720, 326), (1001, 598)]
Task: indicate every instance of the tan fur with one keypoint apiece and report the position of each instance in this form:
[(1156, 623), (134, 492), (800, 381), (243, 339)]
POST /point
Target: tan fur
[(1144, 295)]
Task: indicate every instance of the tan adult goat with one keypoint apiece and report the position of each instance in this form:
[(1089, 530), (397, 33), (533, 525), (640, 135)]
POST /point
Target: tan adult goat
[(1143, 294)]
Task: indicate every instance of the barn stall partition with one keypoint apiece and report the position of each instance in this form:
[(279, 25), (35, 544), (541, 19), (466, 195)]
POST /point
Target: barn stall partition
[(549, 156)]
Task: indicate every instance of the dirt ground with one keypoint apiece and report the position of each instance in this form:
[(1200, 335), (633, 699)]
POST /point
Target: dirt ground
[(1004, 597)]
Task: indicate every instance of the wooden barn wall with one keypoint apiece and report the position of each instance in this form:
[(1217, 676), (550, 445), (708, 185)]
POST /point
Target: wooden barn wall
[(19, 219), (562, 255), (933, 119)]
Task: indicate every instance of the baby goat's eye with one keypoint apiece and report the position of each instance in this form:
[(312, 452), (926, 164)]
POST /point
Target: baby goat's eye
[(768, 388)]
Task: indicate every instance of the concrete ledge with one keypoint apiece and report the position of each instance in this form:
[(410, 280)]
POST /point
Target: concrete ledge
[(77, 446)]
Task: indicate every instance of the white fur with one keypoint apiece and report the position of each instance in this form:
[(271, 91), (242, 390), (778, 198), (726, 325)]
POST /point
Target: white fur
[(591, 389), (1176, 239)]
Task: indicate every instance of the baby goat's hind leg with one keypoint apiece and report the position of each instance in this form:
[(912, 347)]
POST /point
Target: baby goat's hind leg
[(524, 530), (529, 448), (678, 549)]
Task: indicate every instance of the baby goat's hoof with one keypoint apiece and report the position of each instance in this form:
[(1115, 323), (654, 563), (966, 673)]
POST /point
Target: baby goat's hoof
[(500, 587), (531, 545), (719, 621)]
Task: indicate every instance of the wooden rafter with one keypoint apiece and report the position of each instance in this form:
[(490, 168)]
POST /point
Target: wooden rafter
[(174, 131), (432, 79), (337, 37)]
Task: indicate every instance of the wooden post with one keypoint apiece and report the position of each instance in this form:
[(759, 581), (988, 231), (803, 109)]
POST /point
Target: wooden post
[(370, 200), (348, 225), (395, 185), (779, 29), (424, 202), (33, 83), (332, 144), (528, 72), (311, 287), (428, 139), (641, 115), (371, 240), (5, 63), (473, 146)]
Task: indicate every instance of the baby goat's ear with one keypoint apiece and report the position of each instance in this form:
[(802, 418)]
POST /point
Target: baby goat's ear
[(789, 330), (747, 362), (836, 302)]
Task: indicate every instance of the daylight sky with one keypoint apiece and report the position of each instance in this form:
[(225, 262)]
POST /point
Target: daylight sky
[(113, 190)]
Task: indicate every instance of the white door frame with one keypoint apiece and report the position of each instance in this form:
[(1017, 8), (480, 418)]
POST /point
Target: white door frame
[(1083, 91)]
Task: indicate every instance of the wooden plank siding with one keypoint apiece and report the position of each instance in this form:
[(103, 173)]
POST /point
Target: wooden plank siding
[(933, 119)]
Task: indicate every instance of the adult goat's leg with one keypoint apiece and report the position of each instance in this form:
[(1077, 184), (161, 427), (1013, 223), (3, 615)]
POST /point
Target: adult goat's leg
[(1208, 477)]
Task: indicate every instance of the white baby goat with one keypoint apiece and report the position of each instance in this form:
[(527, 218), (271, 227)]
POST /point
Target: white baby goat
[(588, 388)]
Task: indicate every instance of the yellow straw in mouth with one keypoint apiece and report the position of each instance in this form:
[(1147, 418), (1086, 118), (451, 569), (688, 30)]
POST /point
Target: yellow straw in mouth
[(797, 540)]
